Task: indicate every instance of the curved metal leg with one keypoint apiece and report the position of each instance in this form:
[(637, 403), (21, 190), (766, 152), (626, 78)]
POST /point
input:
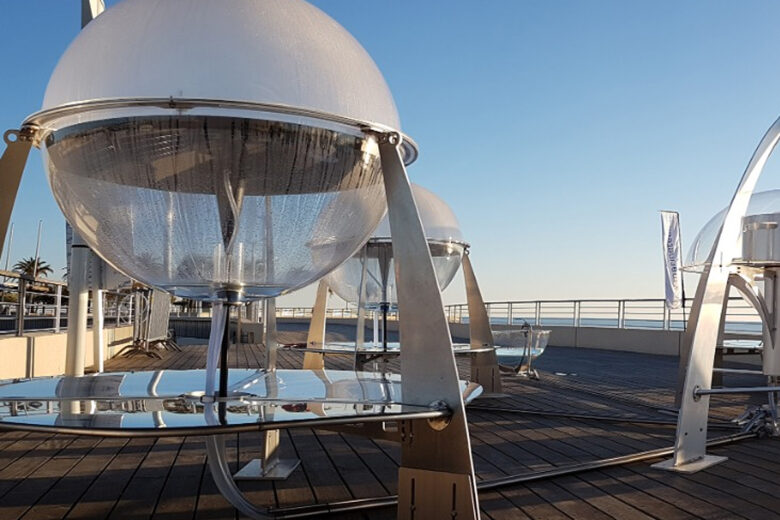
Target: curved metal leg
[(706, 315), (220, 471)]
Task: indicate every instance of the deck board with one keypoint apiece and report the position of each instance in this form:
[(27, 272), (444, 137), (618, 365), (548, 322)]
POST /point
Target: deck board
[(56, 476)]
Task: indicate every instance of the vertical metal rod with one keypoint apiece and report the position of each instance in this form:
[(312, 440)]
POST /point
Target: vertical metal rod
[(385, 308), (223, 367), (57, 309), (97, 326), (37, 249), (510, 317), (20, 310)]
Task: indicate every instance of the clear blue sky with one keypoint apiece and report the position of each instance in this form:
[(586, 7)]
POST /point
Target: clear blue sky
[(556, 130)]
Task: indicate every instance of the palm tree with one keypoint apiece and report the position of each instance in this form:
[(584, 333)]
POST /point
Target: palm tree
[(28, 265)]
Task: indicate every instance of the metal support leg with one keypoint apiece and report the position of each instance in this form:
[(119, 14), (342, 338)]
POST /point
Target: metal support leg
[(220, 472), (435, 458), (11, 168), (269, 333), (690, 445), (316, 338), (484, 365), (271, 466), (78, 300), (97, 328)]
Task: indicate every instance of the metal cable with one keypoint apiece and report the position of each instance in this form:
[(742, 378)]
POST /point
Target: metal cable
[(363, 504)]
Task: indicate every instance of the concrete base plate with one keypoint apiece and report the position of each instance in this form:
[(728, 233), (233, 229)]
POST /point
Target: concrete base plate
[(254, 470), (690, 467)]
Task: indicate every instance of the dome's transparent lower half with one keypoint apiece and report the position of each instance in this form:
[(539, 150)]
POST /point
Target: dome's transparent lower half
[(380, 272), (204, 205)]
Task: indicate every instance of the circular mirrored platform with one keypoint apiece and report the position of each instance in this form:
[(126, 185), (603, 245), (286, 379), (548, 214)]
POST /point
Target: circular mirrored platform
[(171, 402)]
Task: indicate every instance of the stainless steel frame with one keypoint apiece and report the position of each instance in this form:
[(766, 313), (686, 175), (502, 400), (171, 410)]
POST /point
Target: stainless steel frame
[(707, 317)]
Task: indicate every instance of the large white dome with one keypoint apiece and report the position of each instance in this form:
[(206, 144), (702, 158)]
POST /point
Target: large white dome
[(253, 51), (217, 148)]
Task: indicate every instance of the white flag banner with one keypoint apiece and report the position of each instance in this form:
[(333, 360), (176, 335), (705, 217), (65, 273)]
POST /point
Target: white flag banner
[(670, 229)]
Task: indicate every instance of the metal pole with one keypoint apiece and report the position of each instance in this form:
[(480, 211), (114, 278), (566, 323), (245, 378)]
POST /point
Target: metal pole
[(57, 309), (97, 327), (78, 300), (37, 249), (20, 307)]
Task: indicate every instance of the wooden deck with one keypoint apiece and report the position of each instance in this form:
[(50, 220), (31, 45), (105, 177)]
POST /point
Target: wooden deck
[(56, 476)]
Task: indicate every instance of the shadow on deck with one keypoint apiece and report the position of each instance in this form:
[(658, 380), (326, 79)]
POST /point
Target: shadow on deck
[(539, 425)]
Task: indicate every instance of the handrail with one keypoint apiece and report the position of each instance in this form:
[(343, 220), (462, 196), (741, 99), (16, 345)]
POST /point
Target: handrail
[(45, 304), (623, 313)]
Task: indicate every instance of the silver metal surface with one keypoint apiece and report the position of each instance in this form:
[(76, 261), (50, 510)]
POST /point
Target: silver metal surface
[(39, 119), (171, 402), (316, 338), (78, 298), (256, 469), (761, 239), (11, 168), (393, 349), (484, 365), (707, 312), (428, 364)]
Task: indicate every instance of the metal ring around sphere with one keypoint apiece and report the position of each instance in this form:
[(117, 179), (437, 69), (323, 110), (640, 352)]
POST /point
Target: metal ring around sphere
[(36, 121)]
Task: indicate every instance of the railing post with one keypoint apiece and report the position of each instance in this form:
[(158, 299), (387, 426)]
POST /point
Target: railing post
[(20, 308), (538, 313), (667, 317), (57, 309), (577, 309), (510, 318), (621, 314)]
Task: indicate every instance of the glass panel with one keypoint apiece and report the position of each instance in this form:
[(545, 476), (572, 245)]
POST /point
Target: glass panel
[(200, 205)]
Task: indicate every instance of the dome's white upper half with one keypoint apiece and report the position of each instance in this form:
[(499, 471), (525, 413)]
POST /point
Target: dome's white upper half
[(438, 219), (235, 50)]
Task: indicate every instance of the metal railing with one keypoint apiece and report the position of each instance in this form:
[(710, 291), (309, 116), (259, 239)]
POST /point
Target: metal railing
[(626, 313), (28, 305), (635, 313)]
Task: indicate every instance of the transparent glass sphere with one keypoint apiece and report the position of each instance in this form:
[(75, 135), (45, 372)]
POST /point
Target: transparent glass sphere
[(214, 207), (444, 240), (760, 203), (215, 149)]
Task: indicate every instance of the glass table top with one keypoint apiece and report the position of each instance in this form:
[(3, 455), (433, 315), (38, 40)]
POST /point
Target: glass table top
[(172, 402), (393, 348)]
